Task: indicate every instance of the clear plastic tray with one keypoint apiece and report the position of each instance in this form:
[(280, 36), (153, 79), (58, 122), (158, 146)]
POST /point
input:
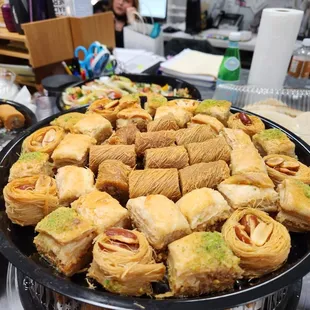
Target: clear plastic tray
[(243, 95)]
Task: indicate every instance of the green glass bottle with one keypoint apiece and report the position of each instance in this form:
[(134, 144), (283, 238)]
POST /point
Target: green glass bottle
[(230, 68)]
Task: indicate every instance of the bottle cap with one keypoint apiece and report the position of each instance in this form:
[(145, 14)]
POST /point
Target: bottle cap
[(306, 42), (235, 36)]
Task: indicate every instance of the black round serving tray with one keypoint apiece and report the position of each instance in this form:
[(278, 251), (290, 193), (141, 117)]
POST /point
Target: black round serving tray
[(16, 244), (143, 78)]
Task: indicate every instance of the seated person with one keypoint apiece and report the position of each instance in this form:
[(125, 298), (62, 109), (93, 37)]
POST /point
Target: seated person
[(124, 14)]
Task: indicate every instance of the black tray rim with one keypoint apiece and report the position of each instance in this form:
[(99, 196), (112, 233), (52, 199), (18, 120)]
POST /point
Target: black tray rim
[(108, 300), (133, 77)]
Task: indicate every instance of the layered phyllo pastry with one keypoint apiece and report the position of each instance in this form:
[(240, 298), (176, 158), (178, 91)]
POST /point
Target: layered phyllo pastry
[(125, 135), (68, 120), (95, 126), (236, 138), (30, 164), (294, 205), (205, 209), (253, 189), (65, 240), (153, 102), (102, 210), (159, 219), (203, 119), (274, 141), (181, 115), (220, 109), (137, 116), (201, 263), (189, 105), (73, 150), (73, 182)]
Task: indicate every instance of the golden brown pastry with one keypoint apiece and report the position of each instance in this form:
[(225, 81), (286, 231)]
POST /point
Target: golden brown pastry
[(137, 116), (199, 133), (10, 117), (166, 157), (153, 102), (203, 175), (73, 150), (202, 119), (246, 159), (236, 138), (294, 205), (44, 140), (189, 105), (205, 209), (130, 101), (281, 167), (201, 263), (150, 140), (274, 141), (29, 199), (159, 219), (125, 135), (123, 263), (73, 182), (30, 164), (210, 150), (113, 179), (254, 189), (154, 181), (65, 240), (95, 126), (100, 153), (106, 108), (182, 116), (102, 210), (219, 109), (167, 122), (68, 120), (261, 243), (250, 124)]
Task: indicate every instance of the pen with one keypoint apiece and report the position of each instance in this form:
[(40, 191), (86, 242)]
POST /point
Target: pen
[(66, 68)]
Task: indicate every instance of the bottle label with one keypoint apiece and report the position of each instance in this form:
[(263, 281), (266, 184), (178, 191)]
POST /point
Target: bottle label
[(232, 64), (305, 74), (295, 67)]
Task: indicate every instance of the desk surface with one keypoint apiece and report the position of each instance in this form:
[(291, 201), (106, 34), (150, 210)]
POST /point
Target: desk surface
[(243, 45)]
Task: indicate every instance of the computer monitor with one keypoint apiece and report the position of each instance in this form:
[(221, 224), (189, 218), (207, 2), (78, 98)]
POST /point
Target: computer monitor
[(156, 9)]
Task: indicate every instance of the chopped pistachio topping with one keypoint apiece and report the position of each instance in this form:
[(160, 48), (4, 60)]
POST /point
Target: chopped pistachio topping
[(305, 188), (60, 220), (272, 134), (31, 156), (210, 103), (215, 245)]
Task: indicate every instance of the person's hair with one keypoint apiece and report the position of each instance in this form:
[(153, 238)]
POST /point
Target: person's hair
[(135, 4)]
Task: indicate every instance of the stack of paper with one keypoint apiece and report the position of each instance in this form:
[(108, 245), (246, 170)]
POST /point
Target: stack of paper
[(193, 66), (136, 60)]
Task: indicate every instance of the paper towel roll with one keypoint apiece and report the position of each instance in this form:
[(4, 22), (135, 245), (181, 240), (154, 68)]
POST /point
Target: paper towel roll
[(274, 47)]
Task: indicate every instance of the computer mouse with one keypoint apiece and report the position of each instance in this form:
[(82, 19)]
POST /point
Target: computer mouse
[(171, 30)]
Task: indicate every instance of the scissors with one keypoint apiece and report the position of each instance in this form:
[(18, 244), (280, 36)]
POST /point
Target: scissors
[(94, 50)]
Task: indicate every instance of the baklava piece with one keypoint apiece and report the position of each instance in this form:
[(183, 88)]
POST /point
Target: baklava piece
[(65, 240), (95, 126), (205, 209), (201, 263), (102, 210), (137, 116), (159, 219), (274, 141), (73, 150), (73, 182)]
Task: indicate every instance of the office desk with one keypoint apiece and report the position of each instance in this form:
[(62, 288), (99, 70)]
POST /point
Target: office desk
[(243, 45)]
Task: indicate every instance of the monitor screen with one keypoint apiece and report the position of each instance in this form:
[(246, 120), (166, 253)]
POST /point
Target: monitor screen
[(154, 8)]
